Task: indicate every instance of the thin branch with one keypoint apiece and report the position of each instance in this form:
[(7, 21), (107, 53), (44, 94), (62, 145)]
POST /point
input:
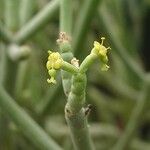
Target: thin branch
[(37, 22), (26, 9), (28, 126)]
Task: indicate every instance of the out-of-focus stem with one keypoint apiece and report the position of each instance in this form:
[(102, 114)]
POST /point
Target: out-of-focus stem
[(37, 22), (135, 118), (128, 61), (9, 71), (85, 16), (26, 7), (4, 34), (11, 14), (32, 130), (24, 15), (66, 16), (65, 46)]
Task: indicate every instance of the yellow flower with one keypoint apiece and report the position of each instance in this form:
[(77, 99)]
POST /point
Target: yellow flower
[(54, 60), (54, 63), (101, 51)]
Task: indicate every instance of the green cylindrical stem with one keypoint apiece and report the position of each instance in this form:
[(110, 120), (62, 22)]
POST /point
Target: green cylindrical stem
[(33, 131), (76, 98), (4, 34), (79, 130), (108, 22), (75, 114), (66, 16), (65, 48), (26, 9), (69, 68), (21, 78), (37, 22), (87, 62), (11, 14)]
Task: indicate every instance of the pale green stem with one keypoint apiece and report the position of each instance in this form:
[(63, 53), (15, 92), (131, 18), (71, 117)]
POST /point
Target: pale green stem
[(66, 15), (135, 118), (29, 127), (11, 14), (79, 131), (87, 62), (10, 67), (4, 34), (65, 48), (86, 14), (69, 68), (75, 114), (21, 78), (8, 78), (37, 22), (26, 9), (98, 132), (9, 71)]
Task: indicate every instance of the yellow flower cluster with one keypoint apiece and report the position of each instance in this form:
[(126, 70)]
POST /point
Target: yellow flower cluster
[(101, 51), (54, 63)]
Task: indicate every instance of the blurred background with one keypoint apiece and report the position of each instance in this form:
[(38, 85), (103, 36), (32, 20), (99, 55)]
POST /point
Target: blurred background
[(119, 97)]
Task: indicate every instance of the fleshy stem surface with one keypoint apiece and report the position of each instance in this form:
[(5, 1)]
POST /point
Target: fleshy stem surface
[(87, 62), (65, 49), (64, 40), (75, 114), (69, 68)]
